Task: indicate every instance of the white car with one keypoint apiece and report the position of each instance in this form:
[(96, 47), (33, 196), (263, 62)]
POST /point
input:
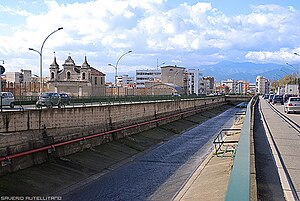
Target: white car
[(292, 105), (7, 99)]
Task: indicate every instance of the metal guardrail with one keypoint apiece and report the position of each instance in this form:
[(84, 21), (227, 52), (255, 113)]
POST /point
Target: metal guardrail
[(239, 184), (29, 100), (220, 141)]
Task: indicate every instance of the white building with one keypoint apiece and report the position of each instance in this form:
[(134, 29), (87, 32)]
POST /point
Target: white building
[(143, 76), (195, 82), (262, 85), (23, 76), (291, 89), (234, 86), (124, 80)]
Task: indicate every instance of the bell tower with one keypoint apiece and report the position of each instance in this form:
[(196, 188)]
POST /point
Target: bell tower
[(54, 68)]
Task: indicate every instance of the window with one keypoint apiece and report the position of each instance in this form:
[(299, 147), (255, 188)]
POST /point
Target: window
[(83, 76), (68, 75), (102, 81), (95, 80), (52, 75)]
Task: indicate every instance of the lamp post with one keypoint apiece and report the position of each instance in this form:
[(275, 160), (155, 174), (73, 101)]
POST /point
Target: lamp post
[(116, 66), (159, 64), (295, 70), (2, 71), (297, 83), (41, 57)]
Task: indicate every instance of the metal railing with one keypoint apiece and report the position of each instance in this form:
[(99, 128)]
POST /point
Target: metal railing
[(239, 184), (99, 100), (222, 145)]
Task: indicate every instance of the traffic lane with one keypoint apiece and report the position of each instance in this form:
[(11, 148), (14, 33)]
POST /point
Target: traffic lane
[(294, 116), (140, 179)]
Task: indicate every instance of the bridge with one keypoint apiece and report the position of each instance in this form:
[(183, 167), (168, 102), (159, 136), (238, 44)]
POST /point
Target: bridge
[(255, 153)]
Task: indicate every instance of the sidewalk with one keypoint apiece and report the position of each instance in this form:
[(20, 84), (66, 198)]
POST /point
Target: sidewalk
[(210, 180)]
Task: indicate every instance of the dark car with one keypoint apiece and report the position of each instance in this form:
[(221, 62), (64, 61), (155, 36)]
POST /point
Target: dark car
[(277, 99), (270, 98), (65, 98), (49, 99), (266, 96), (286, 97)]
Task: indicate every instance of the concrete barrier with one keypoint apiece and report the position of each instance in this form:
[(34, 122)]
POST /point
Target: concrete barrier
[(26, 130)]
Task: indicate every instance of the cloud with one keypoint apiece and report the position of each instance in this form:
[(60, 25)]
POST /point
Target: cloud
[(188, 34), (283, 54), (12, 11)]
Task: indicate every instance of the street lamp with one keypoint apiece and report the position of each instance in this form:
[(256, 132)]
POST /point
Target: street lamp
[(296, 74), (116, 66), (295, 70), (284, 71), (41, 58), (159, 64), (2, 71)]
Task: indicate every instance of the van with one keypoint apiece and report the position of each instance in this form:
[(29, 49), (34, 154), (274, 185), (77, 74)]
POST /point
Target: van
[(7, 99)]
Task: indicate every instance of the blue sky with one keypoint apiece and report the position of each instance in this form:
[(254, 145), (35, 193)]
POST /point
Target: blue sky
[(183, 33)]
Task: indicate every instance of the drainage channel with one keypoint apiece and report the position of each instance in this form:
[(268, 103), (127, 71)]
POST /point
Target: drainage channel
[(113, 166)]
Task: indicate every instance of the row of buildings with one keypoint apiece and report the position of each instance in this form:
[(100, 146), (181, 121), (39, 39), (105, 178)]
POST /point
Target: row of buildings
[(263, 86), (85, 80)]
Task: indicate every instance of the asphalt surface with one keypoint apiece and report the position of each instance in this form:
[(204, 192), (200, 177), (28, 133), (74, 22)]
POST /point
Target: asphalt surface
[(159, 173), (267, 178)]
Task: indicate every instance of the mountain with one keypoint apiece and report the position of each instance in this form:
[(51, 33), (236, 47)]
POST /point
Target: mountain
[(245, 71)]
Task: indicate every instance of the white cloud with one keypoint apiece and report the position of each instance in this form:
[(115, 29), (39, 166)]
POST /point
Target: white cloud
[(13, 11), (283, 54)]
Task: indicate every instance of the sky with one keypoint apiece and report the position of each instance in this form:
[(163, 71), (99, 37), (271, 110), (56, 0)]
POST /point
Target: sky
[(174, 32)]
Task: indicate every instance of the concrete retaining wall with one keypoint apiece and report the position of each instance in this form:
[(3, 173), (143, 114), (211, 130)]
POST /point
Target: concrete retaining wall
[(25, 130)]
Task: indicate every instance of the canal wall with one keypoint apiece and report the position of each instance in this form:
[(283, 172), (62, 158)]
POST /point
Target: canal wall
[(21, 131)]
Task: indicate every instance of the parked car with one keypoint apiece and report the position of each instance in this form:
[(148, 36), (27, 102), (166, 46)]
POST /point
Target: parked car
[(286, 97), (270, 98), (49, 99), (7, 99), (65, 98), (277, 99), (292, 105), (266, 96)]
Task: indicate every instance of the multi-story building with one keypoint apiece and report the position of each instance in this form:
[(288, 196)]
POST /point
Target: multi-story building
[(234, 86), (246, 88), (124, 80), (262, 85), (195, 82), (176, 76), (143, 76), (19, 77), (209, 84), (76, 80)]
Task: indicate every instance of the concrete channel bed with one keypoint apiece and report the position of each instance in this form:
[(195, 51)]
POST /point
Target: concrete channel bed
[(69, 176)]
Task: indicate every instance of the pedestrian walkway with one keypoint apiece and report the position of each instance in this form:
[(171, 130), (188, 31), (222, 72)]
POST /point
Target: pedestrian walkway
[(210, 180)]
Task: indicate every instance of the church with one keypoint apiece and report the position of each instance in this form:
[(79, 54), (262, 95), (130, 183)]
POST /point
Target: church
[(76, 80)]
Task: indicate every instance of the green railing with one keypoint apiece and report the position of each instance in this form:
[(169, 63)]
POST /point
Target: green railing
[(30, 100), (239, 184)]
